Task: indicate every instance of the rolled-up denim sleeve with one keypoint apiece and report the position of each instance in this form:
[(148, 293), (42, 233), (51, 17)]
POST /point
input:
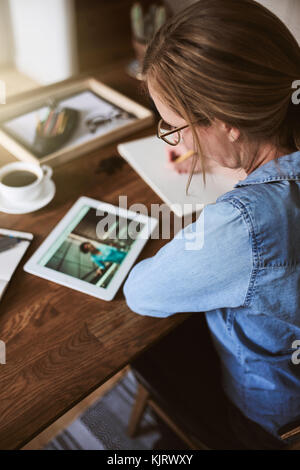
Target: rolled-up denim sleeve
[(206, 266)]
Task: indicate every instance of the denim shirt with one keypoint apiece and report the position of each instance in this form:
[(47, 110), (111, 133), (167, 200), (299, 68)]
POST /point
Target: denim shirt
[(246, 278)]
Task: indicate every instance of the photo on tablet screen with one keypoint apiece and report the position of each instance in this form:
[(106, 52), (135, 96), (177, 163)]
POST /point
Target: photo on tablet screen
[(90, 250)]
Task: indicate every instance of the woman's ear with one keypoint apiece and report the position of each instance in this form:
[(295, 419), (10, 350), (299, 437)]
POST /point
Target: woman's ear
[(232, 133)]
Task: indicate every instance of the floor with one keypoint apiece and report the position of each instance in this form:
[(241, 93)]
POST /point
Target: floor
[(104, 425), (48, 434)]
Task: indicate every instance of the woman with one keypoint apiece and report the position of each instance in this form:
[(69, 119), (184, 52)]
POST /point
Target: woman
[(102, 253), (224, 72)]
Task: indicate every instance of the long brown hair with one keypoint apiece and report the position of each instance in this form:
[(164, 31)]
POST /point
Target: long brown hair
[(231, 60)]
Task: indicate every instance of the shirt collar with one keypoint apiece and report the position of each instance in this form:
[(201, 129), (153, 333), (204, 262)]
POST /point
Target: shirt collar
[(286, 167)]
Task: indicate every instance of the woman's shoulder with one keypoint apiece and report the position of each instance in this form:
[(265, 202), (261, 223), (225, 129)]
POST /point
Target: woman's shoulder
[(222, 223), (271, 212)]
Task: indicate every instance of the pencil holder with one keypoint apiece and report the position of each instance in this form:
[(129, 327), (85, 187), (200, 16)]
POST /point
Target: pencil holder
[(139, 48), (44, 144), (146, 19)]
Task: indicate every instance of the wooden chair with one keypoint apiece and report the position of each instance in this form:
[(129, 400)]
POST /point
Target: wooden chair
[(197, 416), (291, 432), (144, 399)]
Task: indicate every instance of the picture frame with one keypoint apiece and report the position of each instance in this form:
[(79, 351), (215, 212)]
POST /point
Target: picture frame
[(124, 116)]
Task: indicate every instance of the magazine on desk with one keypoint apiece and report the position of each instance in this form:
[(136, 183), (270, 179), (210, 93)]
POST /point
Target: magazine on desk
[(13, 245)]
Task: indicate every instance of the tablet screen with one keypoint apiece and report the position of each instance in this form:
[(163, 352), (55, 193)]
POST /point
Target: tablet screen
[(92, 247)]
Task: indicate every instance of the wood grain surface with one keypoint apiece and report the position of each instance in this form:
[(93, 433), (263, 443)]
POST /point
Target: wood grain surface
[(62, 344)]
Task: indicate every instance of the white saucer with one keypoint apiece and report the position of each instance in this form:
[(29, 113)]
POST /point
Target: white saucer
[(46, 195)]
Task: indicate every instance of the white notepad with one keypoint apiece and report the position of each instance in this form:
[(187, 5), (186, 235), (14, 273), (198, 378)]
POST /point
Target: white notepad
[(147, 157), (13, 245)]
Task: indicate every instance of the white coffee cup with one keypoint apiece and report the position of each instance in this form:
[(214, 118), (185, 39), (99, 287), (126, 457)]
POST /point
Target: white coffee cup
[(24, 194)]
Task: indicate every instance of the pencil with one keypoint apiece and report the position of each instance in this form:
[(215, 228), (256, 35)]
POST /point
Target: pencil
[(48, 123), (58, 123), (160, 17), (63, 124), (137, 21), (185, 156)]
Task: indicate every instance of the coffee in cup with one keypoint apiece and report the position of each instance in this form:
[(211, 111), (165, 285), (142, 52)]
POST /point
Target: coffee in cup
[(21, 182), (19, 178)]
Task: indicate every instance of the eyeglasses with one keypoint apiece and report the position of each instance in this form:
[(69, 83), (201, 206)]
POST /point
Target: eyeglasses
[(169, 134)]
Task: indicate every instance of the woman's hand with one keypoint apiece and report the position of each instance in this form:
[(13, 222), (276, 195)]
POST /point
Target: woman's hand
[(211, 166), (174, 152)]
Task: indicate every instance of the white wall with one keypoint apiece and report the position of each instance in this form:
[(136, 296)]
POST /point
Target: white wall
[(288, 11), (6, 40), (44, 38)]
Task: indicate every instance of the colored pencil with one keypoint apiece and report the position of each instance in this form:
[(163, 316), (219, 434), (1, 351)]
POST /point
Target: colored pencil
[(160, 17), (184, 157), (48, 122), (137, 21), (58, 123), (63, 124)]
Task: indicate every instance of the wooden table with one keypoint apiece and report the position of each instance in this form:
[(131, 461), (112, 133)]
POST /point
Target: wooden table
[(62, 344)]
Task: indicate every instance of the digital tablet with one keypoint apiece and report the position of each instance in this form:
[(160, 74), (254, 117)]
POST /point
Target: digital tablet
[(92, 248)]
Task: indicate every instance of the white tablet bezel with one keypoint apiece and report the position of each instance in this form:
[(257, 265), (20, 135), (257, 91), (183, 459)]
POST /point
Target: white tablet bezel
[(33, 267)]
